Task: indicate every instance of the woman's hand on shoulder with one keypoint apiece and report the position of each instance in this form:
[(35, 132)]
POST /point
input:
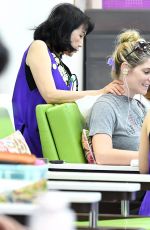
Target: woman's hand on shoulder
[(115, 87)]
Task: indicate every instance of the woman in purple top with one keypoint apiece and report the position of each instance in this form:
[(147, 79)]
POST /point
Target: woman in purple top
[(43, 77), (144, 162)]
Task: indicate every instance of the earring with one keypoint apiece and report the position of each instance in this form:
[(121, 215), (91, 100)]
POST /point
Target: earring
[(125, 71)]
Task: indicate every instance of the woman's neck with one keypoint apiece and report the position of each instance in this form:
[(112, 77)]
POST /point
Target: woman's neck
[(128, 93)]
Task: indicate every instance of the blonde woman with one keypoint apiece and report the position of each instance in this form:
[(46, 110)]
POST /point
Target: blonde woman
[(116, 121)]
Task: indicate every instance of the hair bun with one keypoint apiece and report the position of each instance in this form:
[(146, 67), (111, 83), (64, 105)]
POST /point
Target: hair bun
[(128, 36)]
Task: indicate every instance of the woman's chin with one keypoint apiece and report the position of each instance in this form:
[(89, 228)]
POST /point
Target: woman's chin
[(70, 54), (144, 92)]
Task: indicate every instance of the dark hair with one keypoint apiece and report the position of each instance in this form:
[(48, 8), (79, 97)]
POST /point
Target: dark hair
[(3, 56), (56, 30)]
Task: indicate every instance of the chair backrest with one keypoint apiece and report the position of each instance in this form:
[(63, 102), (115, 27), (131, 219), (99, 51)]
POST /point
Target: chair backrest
[(6, 125), (65, 123)]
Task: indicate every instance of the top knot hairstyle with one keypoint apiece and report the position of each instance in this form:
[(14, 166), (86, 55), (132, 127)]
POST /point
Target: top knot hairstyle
[(56, 30), (131, 48)]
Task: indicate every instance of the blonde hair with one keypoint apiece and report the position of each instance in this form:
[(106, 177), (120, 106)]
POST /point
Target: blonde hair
[(123, 52)]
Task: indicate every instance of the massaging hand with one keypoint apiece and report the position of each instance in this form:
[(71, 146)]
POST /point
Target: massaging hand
[(115, 87)]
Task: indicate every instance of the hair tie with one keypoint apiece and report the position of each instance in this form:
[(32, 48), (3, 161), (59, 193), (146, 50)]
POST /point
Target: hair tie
[(110, 61)]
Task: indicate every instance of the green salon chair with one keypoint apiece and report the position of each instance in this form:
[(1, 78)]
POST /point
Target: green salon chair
[(60, 127)]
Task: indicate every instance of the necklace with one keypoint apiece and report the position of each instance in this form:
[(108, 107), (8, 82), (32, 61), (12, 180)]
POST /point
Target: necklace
[(63, 69)]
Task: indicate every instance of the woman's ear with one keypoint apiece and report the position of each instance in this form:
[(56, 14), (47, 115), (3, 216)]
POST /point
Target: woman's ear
[(124, 69)]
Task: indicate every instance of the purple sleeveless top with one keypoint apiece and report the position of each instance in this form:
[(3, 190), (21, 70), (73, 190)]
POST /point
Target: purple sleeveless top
[(24, 103), (145, 205)]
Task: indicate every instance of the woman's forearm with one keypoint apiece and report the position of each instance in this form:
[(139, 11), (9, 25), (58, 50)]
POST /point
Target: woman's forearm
[(106, 154), (63, 96), (116, 157)]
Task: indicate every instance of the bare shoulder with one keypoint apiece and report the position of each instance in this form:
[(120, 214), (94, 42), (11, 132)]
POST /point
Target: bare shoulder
[(38, 48), (37, 45)]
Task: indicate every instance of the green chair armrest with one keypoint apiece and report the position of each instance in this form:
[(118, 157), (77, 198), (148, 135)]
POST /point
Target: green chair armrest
[(48, 146)]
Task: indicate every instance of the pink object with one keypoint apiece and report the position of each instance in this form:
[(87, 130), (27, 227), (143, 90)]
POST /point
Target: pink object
[(39, 162)]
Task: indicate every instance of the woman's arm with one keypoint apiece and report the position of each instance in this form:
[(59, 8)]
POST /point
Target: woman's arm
[(105, 154), (144, 145), (40, 64)]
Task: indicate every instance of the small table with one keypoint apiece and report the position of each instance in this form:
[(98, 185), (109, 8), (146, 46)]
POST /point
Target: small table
[(101, 173), (93, 198), (123, 188), (77, 167), (23, 209)]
